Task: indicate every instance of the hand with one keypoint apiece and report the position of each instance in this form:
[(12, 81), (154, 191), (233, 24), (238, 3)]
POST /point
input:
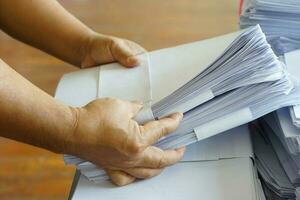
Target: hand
[(106, 134), (103, 49)]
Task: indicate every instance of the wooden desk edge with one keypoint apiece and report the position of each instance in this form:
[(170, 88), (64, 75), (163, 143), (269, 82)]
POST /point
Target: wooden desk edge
[(74, 184)]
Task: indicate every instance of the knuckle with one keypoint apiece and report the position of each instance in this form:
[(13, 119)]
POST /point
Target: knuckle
[(163, 129), (162, 162), (129, 163), (135, 148)]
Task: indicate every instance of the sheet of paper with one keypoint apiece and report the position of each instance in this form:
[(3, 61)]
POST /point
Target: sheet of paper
[(217, 125), (281, 124), (286, 124), (123, 83), (218, 180), (292, 60), (233, 143), (78, 88)]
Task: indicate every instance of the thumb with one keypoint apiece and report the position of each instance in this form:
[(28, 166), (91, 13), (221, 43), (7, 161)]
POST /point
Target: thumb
[(126, 52)]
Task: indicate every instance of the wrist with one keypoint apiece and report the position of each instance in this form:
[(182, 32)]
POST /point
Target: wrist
[(96, 50), (61, 135), (69, 142), (86, 49)]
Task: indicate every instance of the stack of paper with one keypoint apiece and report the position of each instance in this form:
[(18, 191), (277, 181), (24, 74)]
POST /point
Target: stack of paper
[(241, 82), (241, 92), (289, 161), (285, 122), (232, 109), (227, 179), (279, 20), (281, 123), (206, 172), (247, 60), (235, 143), (282, 136), (274, 163)]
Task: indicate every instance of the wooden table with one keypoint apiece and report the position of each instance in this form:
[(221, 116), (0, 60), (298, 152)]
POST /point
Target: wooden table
[(28, 172)]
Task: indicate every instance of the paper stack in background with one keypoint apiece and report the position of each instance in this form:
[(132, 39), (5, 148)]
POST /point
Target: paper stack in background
[(278, 160), (279, 20), (273, 163), (237, 80), (276, 141)]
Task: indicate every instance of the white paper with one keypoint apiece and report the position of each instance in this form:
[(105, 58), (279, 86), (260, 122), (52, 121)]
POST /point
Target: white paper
[(286, 124), (297, 111), (192, 103), (292, 60), (213, 180), (234, 143), (78, 88), (226, 122), (132, 84)]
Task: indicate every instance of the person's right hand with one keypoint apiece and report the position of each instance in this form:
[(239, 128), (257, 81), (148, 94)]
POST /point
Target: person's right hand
[(106, 134)]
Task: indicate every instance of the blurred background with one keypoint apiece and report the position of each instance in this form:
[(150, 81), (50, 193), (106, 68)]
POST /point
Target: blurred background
[(27, 172)]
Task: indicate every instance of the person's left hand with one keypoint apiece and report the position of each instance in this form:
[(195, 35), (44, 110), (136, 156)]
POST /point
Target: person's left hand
[(103, 49)]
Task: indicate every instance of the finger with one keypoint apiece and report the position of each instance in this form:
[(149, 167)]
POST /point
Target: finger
[(126, 52), (143, 173), (152, 131), (120, 178), (156, 158)]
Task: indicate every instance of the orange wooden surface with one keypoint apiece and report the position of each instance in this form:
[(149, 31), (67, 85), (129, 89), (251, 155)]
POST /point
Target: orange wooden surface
[(27, 172)]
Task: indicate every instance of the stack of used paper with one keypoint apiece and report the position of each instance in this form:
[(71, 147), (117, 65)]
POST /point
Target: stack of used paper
[(279, 20), (274, 164), (218, 84)]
